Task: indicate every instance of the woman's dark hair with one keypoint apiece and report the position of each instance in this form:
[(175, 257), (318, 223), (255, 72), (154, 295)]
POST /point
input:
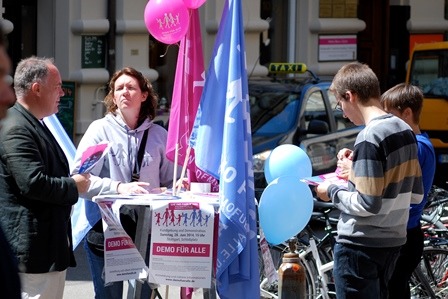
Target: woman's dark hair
[(148, 108)]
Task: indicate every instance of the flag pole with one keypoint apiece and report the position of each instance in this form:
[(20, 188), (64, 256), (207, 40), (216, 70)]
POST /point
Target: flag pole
[(184, 167), (176, 157)]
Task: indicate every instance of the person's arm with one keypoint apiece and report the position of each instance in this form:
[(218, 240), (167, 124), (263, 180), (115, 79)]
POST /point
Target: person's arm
[(97, 184), (362, 201), (367, 183), (82, 182), (27, 161)]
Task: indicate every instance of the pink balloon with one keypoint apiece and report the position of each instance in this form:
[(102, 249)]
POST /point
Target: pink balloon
[(167, 20), (192, 4)]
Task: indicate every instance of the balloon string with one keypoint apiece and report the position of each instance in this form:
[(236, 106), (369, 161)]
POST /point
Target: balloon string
[(166, 51)]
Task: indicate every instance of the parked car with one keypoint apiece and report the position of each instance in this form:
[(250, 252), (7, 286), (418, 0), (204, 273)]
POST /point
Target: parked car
[(428, 69), (297, 110)]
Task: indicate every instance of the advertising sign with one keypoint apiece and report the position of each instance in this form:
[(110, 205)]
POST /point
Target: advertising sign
[(182, 244), (337, 48)]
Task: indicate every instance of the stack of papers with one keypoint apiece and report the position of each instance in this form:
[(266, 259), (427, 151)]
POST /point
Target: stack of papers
[(332, 178)]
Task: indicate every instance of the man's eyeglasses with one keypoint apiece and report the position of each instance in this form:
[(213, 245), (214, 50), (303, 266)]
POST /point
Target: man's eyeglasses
[(338, 106)]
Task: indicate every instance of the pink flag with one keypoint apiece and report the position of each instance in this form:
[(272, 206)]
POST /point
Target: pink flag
[(188, 85)]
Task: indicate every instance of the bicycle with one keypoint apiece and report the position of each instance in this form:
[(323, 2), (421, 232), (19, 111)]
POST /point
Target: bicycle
[(316, 256), (434, 219), (430, 278)]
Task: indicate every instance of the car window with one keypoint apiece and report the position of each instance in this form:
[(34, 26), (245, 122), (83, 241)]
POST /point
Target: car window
[(315, 110), (265, 106), (284, 121)]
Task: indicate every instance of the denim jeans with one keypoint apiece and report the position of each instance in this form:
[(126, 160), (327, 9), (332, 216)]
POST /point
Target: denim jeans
[(363, 272), (410, 256), (113, 290)]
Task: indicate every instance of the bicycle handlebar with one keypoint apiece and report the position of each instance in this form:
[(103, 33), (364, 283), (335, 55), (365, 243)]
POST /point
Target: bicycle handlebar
[(323, 205), (436, 202)]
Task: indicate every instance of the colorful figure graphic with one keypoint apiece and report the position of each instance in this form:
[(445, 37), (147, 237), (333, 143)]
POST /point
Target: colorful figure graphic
[(200, 218), (207, 217), (158, 218), (193, 217), (186, 218), (119, 155), (172, 217), (179, 218), (166, 216)]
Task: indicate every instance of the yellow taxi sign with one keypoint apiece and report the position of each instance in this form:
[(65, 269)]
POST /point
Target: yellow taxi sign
[(287, 68)]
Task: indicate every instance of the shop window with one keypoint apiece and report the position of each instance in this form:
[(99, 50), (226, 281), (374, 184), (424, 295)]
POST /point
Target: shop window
[(338, 8)]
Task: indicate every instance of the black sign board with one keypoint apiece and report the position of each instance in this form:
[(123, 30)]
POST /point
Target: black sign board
[(66, 113), (93, 51)]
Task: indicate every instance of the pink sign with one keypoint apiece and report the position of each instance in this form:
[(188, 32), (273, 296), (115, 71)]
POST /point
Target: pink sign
[(337, 48)]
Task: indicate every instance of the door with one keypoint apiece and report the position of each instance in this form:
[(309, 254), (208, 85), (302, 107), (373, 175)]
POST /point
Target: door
[(373, 41), (22, 40)]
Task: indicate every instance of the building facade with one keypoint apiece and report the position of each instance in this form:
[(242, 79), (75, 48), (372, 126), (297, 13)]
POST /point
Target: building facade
[(90, 39)]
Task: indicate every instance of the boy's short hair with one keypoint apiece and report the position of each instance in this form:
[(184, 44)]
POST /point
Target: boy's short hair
[(357, 78), (402, 96)]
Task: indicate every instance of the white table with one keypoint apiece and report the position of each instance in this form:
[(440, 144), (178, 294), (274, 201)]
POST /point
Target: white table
[(143, 206)]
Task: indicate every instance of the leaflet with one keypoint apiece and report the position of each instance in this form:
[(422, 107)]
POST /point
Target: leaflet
[(331, 177), (92, 155)]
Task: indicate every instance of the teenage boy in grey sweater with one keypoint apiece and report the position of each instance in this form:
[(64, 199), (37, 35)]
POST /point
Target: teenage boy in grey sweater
[(384, 180)]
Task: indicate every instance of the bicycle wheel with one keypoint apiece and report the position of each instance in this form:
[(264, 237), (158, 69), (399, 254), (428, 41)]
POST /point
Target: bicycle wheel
[(324, 281), (270, 290), (434, 268), (420, 287)]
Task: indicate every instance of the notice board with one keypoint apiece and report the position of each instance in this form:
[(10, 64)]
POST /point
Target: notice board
[(93, 51), (66, 113)]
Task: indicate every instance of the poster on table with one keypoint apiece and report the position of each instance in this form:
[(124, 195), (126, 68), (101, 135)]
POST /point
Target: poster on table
[(122, 260), (182, 244)]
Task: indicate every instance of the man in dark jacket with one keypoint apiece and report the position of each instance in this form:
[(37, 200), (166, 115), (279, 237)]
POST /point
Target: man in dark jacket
[(9, 277), (36, 191)]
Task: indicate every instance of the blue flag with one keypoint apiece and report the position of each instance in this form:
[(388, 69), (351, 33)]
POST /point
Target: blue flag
[(222, 141), (85, 212)]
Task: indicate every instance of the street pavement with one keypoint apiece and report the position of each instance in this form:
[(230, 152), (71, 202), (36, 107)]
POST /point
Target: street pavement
[(79, 283)]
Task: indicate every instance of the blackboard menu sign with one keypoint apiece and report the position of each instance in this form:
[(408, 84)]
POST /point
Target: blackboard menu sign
[(93, 51), (66, 113)]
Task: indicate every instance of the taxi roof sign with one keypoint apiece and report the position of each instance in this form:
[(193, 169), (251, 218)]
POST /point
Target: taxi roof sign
[(287, 68)]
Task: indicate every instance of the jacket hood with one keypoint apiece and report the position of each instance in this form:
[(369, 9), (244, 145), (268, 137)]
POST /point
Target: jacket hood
[(117, 120)]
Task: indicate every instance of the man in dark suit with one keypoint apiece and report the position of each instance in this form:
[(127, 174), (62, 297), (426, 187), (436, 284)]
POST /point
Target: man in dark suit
[(9, 277), (36, 191)]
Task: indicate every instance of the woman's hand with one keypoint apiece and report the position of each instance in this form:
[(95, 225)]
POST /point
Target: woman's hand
[(133, 188), (183, 183)]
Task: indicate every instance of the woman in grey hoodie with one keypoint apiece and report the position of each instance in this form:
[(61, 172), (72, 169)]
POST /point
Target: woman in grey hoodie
[(131, 106)]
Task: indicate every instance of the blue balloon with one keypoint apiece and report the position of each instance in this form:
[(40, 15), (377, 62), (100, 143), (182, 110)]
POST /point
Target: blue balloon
[(287, 159), (285, 208)]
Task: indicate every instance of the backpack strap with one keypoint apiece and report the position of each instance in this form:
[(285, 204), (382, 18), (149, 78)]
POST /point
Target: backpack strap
[(141, 152)]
